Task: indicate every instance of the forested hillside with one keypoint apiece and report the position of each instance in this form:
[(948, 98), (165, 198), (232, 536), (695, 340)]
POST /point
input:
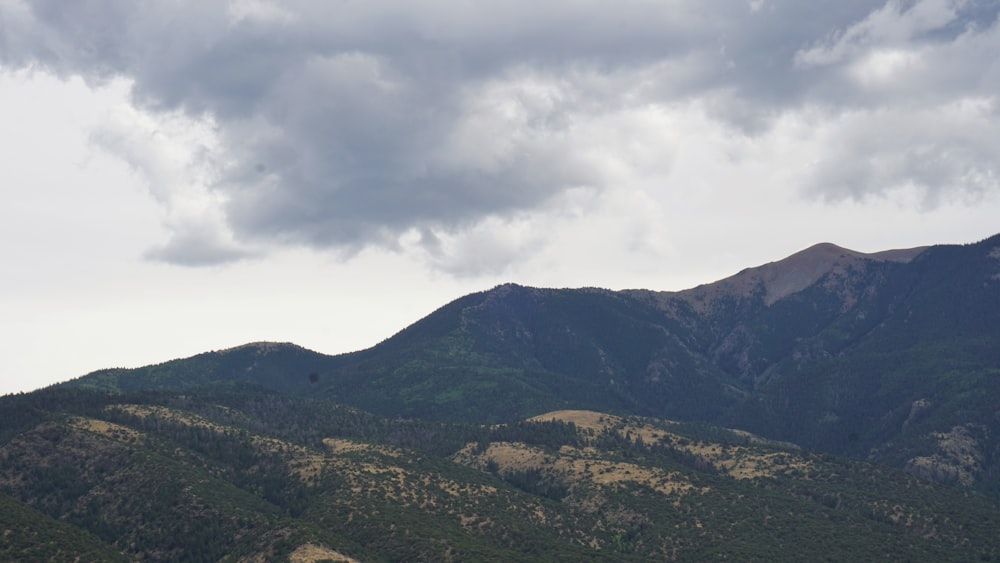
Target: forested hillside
[(257, 475)]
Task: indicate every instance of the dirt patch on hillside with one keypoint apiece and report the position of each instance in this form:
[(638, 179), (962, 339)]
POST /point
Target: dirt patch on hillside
[(343, 446), (573, 466), (739, 462), (171, 415), (312, 553), (111, 430), (600, 422)]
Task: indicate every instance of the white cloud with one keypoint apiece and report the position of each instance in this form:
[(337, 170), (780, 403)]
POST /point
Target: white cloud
[(178, 160), (883, 68), (344, 126), (259, 11), (896, 23), (936, 150)]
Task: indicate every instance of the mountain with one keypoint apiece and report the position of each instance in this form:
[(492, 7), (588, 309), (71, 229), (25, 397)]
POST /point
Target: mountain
[(893, 356), (524, 423)]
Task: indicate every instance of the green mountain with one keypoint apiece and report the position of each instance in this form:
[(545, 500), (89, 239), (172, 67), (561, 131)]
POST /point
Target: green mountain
[(893, 356), (553, 424)]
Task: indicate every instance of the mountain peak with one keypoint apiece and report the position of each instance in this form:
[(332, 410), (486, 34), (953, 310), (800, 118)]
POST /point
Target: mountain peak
[(263, 347), (806, 267), (828, 250), (797, 272)]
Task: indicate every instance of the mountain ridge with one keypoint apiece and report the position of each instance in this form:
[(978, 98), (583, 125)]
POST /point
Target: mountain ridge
[(828, 348)]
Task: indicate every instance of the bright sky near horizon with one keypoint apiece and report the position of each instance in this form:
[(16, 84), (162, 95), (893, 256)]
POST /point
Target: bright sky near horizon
[(182, 176)]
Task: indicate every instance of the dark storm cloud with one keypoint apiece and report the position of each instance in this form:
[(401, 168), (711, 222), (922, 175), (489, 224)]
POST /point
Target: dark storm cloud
[(343, 124)]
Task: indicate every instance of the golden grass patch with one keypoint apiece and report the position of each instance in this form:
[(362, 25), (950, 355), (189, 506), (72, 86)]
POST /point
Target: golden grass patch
[(574, 466), (308, 468), (108, 429), (600, 422), (171, 415), (739, 462), (302, 462), (343, 445), (311, 553)]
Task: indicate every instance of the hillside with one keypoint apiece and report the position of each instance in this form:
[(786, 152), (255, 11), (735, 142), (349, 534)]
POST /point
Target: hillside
[(255, 476)]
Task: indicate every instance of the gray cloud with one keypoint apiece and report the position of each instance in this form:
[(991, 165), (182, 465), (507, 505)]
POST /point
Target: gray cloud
[(935, 150), (197, 246), (347, 124)]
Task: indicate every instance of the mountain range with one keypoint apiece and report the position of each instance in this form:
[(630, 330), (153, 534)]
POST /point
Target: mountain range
[(850, 393)]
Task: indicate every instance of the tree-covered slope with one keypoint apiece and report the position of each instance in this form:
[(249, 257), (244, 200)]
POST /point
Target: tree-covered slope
[(283, 367), (230, 475), (29, 535), (908, 373)]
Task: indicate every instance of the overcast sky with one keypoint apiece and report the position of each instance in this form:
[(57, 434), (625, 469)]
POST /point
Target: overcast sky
[(180, 176)]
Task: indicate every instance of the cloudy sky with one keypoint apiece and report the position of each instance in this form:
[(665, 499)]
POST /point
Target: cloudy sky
[(179, 176)]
